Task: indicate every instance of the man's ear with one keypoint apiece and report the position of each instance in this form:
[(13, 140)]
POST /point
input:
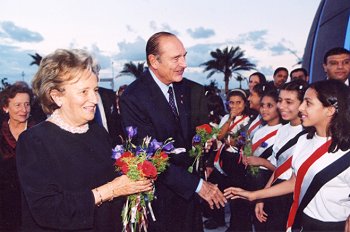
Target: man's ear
[(324, 67), (56, 97), (153, 61)]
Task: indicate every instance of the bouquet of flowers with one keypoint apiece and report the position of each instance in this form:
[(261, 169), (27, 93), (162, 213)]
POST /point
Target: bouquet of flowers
[(139, 162), (244, 143), (247, 151), (203, 134)]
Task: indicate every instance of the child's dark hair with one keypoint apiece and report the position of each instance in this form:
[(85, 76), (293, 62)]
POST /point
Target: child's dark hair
[(336, 94), (216, 108), (298, 86), (261, 88), (273, 93)]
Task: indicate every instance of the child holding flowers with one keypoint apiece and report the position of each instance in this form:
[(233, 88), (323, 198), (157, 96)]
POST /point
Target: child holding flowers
[(227, 169), (260, 151), (264, 137)]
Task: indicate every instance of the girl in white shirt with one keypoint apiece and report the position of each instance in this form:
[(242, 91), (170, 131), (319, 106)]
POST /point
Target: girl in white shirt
[(264, 137), (321, 162), (262, 143), (256, 93), (226, 157), (274, 215)]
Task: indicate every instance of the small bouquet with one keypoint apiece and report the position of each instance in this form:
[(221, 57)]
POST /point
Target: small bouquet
[(247, 151), (203, 134), (145, 161), (243, 142)]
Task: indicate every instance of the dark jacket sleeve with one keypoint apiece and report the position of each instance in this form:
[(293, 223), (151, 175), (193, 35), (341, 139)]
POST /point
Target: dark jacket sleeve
[(175, 177), (50, 205)]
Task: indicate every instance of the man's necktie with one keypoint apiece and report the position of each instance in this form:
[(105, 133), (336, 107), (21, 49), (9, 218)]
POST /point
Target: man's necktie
[(172, 102), (98, 117)]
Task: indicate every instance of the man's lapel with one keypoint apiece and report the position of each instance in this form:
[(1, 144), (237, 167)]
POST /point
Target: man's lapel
[(158, 99), (184, 106)]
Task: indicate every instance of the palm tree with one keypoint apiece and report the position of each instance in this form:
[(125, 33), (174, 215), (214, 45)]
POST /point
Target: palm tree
[(36, 59), (227, 61), (4, 83), (241, 78), (132, 69)]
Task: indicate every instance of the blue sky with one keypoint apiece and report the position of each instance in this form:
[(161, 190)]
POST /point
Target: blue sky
[(272, 33)]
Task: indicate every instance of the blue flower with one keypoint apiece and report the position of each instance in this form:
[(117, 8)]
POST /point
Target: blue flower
[(196, 138), (264, 144), (243, 134), (131, 131), (168, 146), (240, 142), (139, 150), (117, 151), (153, 146)]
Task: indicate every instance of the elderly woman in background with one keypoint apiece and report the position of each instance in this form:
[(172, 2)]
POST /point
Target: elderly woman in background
[(64, 164), (15, 101)]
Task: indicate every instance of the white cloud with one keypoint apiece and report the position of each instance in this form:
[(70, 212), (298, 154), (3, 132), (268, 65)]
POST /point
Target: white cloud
[(20, 34), (201, 32), (117, 31)]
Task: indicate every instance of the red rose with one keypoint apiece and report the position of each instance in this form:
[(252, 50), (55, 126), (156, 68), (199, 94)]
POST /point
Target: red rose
[(121, 164), (147, 169), (126, 154), (124, 168), (163, 155), (205, 127)]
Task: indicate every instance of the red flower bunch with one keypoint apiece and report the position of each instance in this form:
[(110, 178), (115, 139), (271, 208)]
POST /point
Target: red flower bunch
[(121, 164), (206, 127), (147, 170), (203, 134), (145, 161)]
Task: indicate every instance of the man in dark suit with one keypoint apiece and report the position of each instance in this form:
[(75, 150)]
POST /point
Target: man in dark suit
[(150, 105), (108, 116)]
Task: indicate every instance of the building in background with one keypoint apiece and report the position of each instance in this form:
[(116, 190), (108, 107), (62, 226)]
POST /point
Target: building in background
[(330, 28)]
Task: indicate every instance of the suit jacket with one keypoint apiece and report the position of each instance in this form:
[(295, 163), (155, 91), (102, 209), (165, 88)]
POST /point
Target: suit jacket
[(199, 104), (115, 130), (143, 105)]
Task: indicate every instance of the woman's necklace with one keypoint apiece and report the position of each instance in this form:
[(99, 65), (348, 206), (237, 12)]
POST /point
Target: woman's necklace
[(57, 119)]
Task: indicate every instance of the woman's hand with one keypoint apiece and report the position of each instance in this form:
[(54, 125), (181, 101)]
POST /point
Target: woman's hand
[(260, 214), (122, 186), (234, 193)]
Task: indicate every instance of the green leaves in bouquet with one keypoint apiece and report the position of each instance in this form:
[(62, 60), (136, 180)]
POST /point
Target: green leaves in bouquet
[(203, 134)]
